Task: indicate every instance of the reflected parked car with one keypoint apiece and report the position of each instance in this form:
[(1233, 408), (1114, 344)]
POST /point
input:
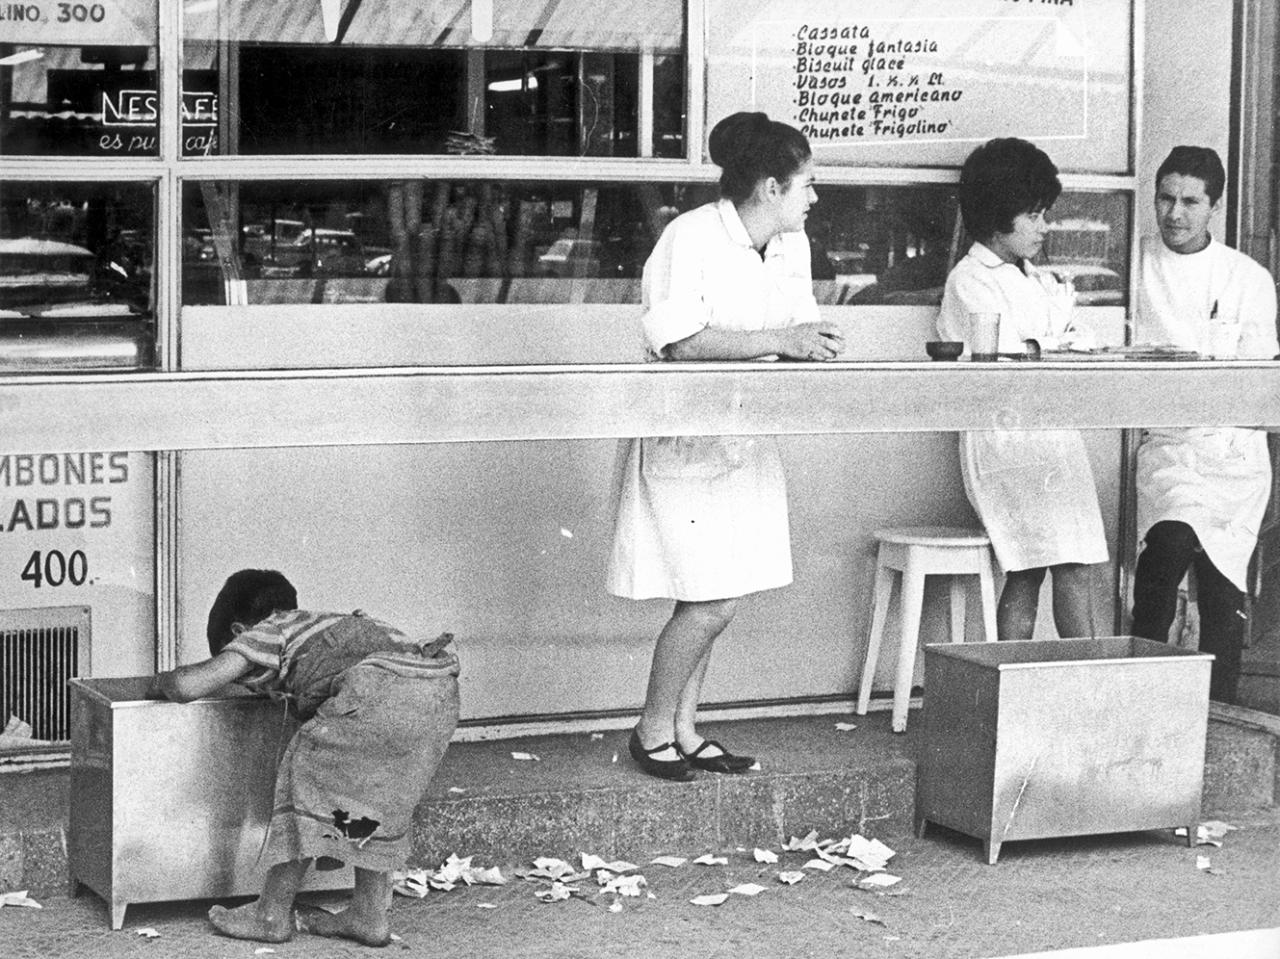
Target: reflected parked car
[(314, 252), (571, 257)]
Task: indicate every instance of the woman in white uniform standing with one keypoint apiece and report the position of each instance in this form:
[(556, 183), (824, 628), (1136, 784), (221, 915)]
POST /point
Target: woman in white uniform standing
[(702, 520), (1033, 489)]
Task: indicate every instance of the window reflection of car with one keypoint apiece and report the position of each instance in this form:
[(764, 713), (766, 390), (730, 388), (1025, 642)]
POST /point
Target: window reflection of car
[(1095, 285), (36, 271), (571, 257), (314, 252)]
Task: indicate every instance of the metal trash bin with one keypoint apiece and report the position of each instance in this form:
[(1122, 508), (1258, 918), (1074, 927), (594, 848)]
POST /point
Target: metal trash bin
[(1068, 737), (170, 800)]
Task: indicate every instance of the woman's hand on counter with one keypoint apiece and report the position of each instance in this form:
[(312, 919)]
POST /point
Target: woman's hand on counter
[(811, 341)]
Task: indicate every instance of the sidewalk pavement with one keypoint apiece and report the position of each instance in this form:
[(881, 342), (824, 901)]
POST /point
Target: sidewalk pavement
[(1094, 891), (1042, 895)]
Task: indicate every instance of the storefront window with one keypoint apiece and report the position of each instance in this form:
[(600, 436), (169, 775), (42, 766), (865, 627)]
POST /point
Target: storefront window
[(470, 241), (76, 274), (536, 79)]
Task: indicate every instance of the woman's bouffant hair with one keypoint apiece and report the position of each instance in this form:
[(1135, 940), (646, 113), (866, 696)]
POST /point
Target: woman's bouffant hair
[(1002, 178), (247, 597), (749, 147)]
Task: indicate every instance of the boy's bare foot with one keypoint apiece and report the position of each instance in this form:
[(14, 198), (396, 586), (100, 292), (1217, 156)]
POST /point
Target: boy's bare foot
[(247, 922), (348, 924)]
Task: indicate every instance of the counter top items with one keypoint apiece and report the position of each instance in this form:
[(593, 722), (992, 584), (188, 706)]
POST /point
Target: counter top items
[(944, 350), (1124, 353), (1065, 737), (169, 800)]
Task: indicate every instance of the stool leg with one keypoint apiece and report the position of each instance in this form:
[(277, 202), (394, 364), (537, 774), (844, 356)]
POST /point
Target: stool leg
[(912, 601), (987, 586), (957, 609), (883, 591)]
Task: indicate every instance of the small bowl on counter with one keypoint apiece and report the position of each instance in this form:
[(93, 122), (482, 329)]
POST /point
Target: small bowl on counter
[(944, 350)]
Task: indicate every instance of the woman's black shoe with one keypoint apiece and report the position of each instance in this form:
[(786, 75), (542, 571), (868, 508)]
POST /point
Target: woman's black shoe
[(674, 769), (726, 762)]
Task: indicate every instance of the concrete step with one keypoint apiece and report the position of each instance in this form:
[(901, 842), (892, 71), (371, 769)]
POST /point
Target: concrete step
[(584, 794)]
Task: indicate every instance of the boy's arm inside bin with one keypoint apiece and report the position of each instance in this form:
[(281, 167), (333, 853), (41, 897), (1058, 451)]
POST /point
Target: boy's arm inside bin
[(186, 683)]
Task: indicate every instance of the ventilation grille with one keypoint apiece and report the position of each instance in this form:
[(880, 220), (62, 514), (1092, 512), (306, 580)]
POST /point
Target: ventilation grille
[(40, 649)]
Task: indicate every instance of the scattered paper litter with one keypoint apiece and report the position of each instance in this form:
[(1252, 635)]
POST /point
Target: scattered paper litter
[(1202, 862), (395, 938), (624, 885), (264, 951), (597, 736), (548, 867), (878, 880), (148, 933), (526, 757), (846, 727), (670, 861), (557, 892), (747, 889), (591, 863), (790, 878), (486, 905), (755, 766), (799, 845), (19, 898), (410, 882), (709, 860), (870, 855), (615, 906), (867, 917), (821, 864), (765, 855), (456, 789), (828, 856), (714, 899)]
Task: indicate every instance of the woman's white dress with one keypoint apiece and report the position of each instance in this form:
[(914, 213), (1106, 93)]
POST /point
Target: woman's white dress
[(705, 517), (1033, 489)]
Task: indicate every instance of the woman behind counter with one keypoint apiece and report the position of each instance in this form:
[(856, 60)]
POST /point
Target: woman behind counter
[(703, 519), (1033, 490)]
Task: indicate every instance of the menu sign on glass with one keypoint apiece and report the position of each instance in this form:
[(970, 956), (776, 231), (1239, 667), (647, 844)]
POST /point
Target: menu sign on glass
[(896, 83)]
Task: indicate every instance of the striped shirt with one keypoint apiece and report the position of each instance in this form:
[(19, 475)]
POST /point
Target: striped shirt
[(272, 644)]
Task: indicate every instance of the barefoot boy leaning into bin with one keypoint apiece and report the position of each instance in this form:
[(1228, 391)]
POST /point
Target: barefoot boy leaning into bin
[(378, 710)]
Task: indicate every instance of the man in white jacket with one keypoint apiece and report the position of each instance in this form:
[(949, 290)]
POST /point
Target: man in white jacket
[(1202, 492)]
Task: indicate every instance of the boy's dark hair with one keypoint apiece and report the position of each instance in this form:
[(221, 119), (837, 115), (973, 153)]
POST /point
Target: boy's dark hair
[(1200, 162), (247, 597), (1002, 178), (748, 147)]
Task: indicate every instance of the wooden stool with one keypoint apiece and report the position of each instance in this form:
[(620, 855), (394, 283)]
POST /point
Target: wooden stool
[(917, 552)]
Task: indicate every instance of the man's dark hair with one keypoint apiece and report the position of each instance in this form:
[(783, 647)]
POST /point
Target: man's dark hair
[(1002, 178), (1200, 162), (247, 597)]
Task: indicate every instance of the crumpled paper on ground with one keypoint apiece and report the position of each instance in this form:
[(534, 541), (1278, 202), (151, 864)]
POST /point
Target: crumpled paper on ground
[(19, 898)]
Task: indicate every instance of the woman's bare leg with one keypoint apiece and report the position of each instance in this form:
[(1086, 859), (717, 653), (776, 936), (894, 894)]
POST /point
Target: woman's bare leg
[(1019, 601), (680, 660), (1073, 610)]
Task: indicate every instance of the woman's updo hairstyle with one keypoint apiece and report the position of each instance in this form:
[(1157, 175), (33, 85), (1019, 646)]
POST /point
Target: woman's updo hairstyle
[(749, 147), (1002, 178), (248, 597)]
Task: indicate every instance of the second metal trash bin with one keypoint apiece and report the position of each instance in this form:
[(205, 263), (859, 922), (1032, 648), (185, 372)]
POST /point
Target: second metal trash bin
[(1069, 737)]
